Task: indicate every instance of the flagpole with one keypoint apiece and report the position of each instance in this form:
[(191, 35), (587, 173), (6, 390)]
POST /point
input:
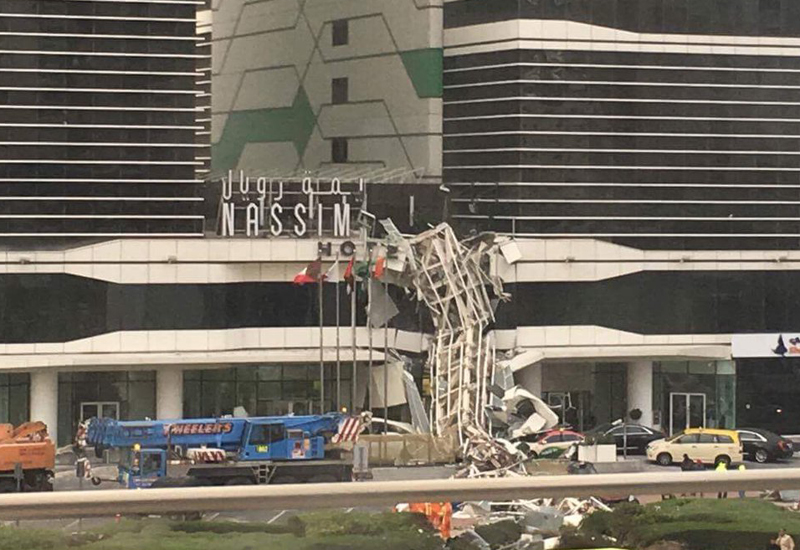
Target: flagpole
[(354, 376), (338, 340), (321, 351), (385, 360), (369, 331)]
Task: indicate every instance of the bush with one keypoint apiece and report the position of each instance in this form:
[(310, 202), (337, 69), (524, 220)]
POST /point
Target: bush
[(573, 539), (699, 524), (13, 538)]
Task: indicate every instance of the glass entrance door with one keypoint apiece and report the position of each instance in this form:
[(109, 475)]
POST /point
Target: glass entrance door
[(99, 409), (687, 410)]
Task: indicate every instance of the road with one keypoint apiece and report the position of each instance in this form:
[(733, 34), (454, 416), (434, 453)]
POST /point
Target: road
[(66, 480)]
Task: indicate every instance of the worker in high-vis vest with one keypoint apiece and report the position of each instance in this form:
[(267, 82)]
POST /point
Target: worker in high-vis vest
[(722, 467)]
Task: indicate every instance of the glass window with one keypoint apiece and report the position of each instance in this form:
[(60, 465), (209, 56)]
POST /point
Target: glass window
[(151, 464), (724, 439), (633, 430), (295, 372), (726, 367), (246, 373), (339, 150), (340, 32), (269, 390), (706, 438), (748, 436), (269, 372), (279, 390), (570, 437), (702, 367), (686, 439), (340, 91), (674, 367), (259, 435)]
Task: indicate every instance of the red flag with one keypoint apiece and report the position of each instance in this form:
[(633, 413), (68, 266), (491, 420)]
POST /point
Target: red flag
[(348, 276), (380, 266), (311, 273)]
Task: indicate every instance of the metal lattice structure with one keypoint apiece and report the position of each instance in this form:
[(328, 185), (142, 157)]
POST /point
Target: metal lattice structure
[(451, 278)]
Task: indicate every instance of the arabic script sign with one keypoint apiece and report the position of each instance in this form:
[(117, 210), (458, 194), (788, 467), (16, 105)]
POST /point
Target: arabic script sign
[(263, 207)]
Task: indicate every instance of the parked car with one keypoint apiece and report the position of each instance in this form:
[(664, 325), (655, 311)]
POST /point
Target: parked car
[(552, 440), (763, 446), (706, 445), (638, 436)]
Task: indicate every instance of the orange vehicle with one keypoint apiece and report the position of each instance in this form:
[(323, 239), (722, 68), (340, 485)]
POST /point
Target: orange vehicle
[(27, 458)]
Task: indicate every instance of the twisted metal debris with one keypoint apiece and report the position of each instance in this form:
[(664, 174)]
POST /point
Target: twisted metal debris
[(451, 278)]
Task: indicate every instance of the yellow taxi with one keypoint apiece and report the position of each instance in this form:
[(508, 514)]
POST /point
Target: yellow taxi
[(706, 445)]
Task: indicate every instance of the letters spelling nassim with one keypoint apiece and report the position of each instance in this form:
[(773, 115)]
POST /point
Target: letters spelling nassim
[(275, 207)]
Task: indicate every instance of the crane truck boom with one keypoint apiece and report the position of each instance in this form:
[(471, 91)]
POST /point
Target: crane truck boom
[(27, 458), (228, 451)]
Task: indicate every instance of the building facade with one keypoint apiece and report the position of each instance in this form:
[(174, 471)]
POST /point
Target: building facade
[(337, 87), (645, 154), (98, 119), (641, 153)]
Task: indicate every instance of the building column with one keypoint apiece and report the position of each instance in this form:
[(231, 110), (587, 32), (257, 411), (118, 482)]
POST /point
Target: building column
[(169, 393), (44, 400), (530, 378), (640, 390)]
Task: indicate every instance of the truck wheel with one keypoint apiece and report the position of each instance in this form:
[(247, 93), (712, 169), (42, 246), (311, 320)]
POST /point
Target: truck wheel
[(664, 459)]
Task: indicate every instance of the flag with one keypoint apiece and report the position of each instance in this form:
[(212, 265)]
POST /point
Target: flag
[(380, 267), (382, 307), (311, 273), (332, 275), (349, 277), (361, 270)]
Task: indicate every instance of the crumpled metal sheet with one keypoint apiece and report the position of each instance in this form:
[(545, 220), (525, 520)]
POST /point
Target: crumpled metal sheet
[(419, 418), (543, 417)]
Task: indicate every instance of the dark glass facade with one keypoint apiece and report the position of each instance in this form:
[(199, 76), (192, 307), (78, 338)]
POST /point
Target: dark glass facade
[(265, 390), (702, 392), (98, 114), (129, 395), (662, 302), (767, 394), (649, 145), (60, 308), (15, 398)]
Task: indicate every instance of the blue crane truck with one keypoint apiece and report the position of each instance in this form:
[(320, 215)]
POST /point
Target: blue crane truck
[(227, 451)]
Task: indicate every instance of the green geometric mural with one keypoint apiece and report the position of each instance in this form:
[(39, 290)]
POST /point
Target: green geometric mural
[(425, 67), (295, 124)]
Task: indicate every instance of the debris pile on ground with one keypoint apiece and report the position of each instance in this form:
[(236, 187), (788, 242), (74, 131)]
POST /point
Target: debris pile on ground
[(517, 525)]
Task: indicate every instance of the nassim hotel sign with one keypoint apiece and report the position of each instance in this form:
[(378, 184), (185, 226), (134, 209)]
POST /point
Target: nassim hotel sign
[(266, 207)]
